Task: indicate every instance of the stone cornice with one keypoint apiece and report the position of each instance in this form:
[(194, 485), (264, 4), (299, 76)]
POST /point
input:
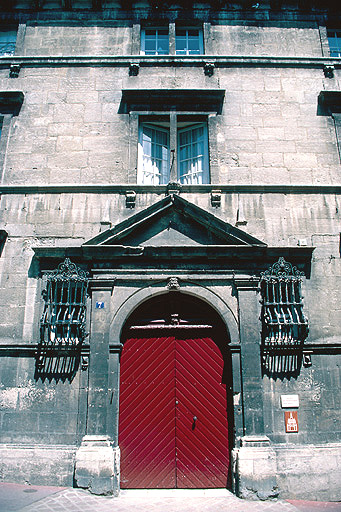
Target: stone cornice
[(170, 60), (106, 188), (22, 349)]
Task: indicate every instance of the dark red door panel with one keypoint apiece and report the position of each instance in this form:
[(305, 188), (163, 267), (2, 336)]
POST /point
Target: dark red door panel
[(147, 420), (202, 455), (173, 422)]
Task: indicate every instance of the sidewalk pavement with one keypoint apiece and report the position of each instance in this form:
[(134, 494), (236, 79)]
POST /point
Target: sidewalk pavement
[(32, 498)]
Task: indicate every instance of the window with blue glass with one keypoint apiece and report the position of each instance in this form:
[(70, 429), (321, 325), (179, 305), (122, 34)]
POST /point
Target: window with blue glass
[(155, 41), (188, 41), (334, 39), (8, 37)]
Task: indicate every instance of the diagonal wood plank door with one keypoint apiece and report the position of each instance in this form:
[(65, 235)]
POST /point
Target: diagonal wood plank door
[(202, 456), (167, 382)]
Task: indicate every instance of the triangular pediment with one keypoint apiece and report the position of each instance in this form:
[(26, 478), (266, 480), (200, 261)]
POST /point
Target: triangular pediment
[(174, 221)]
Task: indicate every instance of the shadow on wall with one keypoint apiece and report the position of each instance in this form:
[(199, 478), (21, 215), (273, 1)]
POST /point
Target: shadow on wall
[(280, 362), (56, 364)]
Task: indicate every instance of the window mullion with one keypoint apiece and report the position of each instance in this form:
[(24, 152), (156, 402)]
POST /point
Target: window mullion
[(173, 142), (172, 39)]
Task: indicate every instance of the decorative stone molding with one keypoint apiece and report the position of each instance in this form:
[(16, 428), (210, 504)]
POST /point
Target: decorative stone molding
[(97, 465), (173, 284), (130, 199), (173, 188), (216, 198), (134, 69)]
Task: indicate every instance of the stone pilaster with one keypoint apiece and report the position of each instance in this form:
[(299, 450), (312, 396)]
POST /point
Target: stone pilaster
[(97, 466), (254, 461)]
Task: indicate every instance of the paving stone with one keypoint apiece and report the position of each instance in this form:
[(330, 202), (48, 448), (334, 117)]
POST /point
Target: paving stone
[(154, 501)]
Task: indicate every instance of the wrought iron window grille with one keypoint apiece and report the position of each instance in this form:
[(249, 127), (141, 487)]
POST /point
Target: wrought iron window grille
[(63, 322), (283, 320), (284, 325)]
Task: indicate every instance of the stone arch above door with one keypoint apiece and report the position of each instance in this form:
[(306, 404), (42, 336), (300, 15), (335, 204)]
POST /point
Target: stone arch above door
[(212, 299)]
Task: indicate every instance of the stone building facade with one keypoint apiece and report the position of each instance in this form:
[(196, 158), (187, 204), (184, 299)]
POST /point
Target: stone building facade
[(170, 171)]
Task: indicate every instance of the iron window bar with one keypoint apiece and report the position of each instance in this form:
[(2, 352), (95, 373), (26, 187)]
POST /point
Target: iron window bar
[(283, 321), (62, 323)]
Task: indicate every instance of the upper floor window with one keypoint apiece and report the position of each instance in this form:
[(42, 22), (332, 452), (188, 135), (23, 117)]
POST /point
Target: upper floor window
[(334, 39), (188, 41), (8, 37), (173, 151), (170, 40), (155, 41)]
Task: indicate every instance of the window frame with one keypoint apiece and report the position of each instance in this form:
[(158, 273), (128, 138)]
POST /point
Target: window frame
[(13, 44), (334, 41), (200, 40), (205, 159), (141, 155), (174, 131), (143, 40), (172, 29)]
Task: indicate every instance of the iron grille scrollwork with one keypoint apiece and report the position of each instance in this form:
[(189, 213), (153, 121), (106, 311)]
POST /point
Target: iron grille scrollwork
[(62, 325), (283, 320), (63, 319)]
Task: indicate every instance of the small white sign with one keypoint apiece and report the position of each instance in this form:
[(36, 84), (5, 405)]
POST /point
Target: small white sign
[(290, 401)]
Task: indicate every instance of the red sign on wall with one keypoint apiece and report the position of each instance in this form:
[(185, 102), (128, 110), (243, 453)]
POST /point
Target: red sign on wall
[(291, 421)]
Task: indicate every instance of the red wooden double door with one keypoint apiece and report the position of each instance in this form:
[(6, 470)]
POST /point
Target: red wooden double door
[(173, 430)]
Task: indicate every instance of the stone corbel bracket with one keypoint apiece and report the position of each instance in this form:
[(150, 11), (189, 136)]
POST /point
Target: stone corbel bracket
[(216, 198), (209, 68), (130, 199), (328, 71), (134, 69), (14, 70)]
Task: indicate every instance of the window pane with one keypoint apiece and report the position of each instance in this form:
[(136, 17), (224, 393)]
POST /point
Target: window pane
[(7, 41), (193, 45), (334, 39), (155, 148), (188, 42), (193, 162), (181, 45), (149, 45), (163, 46), (155, 42)]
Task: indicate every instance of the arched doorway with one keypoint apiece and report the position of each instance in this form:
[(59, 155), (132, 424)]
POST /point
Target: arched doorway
[(175, 396)]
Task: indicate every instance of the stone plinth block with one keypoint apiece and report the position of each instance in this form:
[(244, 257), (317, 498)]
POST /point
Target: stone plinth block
[(255, 469), (97, 465)]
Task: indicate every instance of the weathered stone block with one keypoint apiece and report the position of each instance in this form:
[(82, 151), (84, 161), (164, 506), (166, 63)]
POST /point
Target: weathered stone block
[(97, 465), (255, 469)]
